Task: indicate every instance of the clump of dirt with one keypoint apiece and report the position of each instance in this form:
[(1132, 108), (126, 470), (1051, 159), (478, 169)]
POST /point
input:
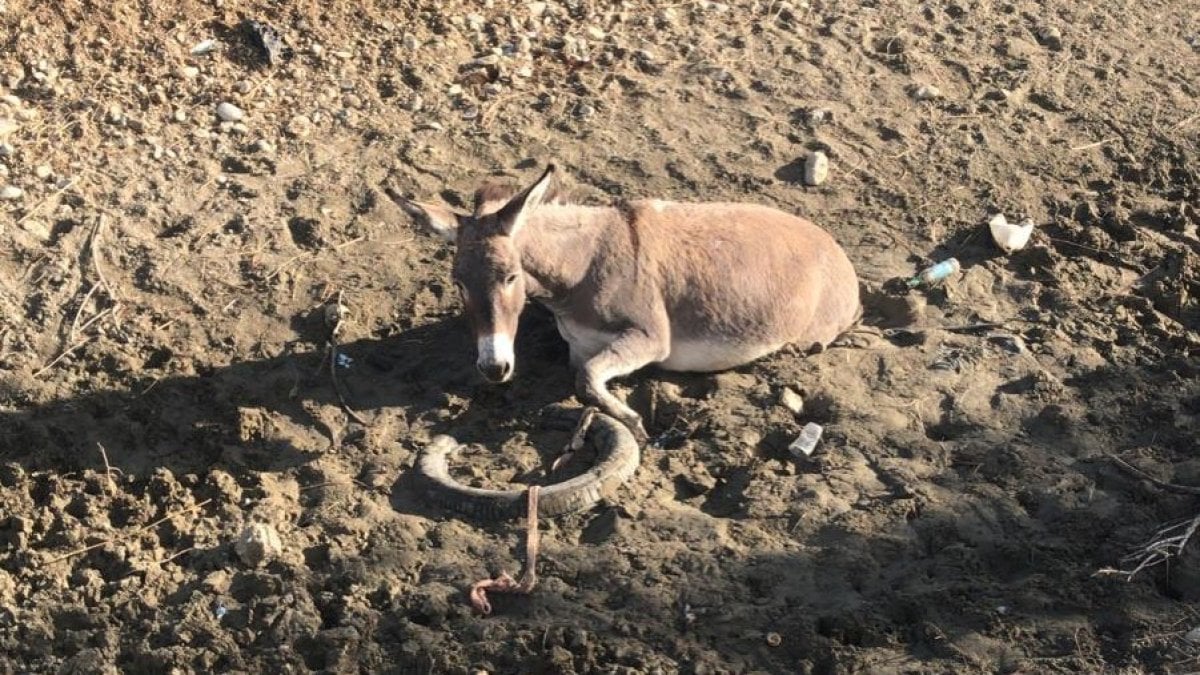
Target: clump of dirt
[(164, 383)]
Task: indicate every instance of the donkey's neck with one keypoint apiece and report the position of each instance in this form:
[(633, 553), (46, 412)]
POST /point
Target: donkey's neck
[(559, 243)]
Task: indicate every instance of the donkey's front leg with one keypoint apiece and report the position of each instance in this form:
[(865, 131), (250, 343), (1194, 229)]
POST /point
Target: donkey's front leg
[(631, 350)]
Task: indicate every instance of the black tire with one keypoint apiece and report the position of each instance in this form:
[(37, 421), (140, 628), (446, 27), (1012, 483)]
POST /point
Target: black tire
[(619, 458)]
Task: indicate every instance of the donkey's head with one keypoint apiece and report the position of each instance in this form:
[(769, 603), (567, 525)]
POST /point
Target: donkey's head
[(487, 265)]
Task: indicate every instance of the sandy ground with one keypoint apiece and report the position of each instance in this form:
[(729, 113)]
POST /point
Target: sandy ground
[(163, 273)]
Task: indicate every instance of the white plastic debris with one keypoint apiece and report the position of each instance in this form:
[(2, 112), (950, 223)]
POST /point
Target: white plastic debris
[(1010, 237), (806, 442), (816, 168)]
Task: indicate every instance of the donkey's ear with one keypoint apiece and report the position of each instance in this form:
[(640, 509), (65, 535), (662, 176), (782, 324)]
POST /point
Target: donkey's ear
[(436, 218), (513, 215)]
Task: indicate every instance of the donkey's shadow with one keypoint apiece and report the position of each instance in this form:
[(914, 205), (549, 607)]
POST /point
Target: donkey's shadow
[(193, 423)]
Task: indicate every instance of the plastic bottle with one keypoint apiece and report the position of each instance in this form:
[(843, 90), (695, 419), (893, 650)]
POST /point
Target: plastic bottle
[(936, 273)]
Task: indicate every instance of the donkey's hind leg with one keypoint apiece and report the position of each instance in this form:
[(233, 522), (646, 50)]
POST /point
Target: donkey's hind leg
[(631, 350)]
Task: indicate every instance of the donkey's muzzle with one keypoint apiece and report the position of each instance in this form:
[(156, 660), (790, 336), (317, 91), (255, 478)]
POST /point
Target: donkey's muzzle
[(495, 357), (496, 372)]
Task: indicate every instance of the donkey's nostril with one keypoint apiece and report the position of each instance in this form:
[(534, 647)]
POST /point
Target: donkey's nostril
[(496, 372)]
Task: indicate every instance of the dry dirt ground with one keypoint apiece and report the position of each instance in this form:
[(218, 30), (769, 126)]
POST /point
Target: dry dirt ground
[(162, 275)]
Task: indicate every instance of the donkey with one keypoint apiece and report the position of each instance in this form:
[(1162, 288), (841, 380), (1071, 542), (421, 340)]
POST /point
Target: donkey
[(698, 287)]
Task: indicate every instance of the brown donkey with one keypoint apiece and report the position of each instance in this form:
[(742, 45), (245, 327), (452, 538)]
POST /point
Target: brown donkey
[(686, 286)]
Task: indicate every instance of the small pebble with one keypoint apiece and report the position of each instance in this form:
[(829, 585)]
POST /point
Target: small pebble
[(927, 92), (595, 33), (37, 229), (11, 193), (584, 111), (816, 168), (1050, 37), (774, 639), (263, 145), (187, 72), (229, 112), (299, 126), (819, 115), (243, 87), (258, 544), (180, 115), (789, 399), (6, 150), (204, 47), (43, 171), (536, 9), (454, 90), (411, 43), (524, 72), (116, 114)]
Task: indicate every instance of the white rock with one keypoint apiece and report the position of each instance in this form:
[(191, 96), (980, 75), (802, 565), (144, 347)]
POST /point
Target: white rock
[(258, 544), (229, 112), (11, 193), (43, 171), (38, 229), (816, 168), (299, 126), (1010, 237), (789, 399), (180, 115), (927, 92), (187, 72), (537, 9), (204, 47)]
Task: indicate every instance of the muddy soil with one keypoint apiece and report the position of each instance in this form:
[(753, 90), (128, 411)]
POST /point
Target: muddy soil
[(163, 274)]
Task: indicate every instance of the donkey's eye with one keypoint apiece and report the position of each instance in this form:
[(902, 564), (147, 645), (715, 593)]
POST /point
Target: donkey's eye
[(510, 279)]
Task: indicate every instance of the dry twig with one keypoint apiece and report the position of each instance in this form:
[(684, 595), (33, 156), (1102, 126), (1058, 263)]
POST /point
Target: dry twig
[(1169, 541), (139, 530), (108, 470), (1138, 473)]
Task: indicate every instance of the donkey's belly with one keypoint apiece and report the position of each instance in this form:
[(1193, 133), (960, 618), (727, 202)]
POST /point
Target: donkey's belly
[(712, 355)]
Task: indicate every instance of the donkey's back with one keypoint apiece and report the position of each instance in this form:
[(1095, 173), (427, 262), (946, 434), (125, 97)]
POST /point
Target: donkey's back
[(739, 281)]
